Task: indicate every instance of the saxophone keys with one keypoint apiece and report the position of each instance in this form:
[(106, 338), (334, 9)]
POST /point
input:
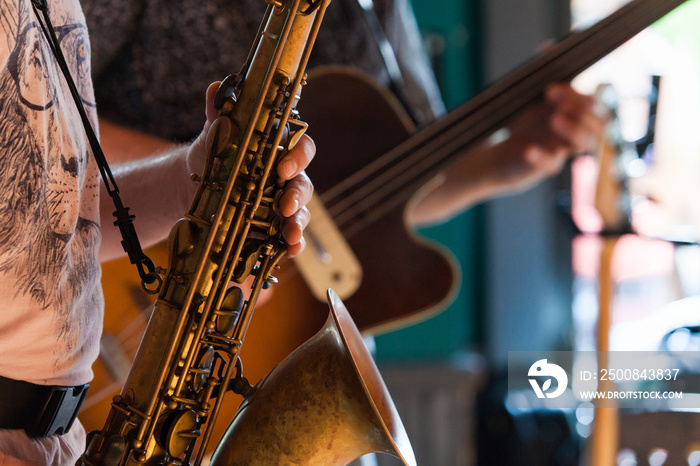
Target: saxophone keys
[(227, 91), (297, 134), (227, 316), (181, 238), (220, 136), (178, 431)]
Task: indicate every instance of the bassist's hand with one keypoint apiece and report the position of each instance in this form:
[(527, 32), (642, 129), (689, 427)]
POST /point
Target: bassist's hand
[(543, 138), (534, 147)]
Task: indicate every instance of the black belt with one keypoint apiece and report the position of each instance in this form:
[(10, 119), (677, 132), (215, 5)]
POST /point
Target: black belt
[(41, 410)]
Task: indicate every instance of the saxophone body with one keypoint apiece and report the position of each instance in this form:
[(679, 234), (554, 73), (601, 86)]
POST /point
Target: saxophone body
[(188, 357), (328, 392)]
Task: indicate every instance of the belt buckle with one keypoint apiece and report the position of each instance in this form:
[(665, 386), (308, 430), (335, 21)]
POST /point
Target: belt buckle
[(60, 411)]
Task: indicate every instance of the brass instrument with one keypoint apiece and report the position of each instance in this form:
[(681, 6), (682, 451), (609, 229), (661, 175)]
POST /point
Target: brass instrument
[(189, 355), (325, 404)]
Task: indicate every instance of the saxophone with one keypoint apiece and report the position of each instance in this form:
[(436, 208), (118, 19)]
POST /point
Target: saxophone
[(188, 358)]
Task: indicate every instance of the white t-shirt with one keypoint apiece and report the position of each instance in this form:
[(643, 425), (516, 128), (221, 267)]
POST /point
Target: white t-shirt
[(50, 296)]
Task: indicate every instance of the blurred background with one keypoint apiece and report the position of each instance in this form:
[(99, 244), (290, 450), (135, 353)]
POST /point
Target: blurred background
[(530, 262)]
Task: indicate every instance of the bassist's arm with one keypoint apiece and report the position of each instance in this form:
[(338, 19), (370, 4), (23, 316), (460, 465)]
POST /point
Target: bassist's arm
[(533, 148)]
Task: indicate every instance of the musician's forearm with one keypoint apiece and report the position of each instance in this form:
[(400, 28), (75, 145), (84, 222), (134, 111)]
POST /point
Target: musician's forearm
[(120, 143), (489, 171), (469, 181), (156, 207), (130, 155)]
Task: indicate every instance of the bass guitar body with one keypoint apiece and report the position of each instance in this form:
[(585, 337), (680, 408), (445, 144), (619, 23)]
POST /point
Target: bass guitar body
[(405, 279)]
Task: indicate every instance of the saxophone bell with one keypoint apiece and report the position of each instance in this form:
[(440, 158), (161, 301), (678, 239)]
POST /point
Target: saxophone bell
[(326, 403)]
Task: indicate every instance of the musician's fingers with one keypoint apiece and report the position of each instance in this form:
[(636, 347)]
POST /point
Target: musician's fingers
[(575, 120), (297, 159), (294, 250), (293, 231), (210, 112), (297, 193), (578, 135), (196, 154), (545, 162)]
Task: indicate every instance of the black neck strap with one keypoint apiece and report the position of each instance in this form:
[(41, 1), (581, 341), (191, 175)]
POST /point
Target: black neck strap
[(130, 240)]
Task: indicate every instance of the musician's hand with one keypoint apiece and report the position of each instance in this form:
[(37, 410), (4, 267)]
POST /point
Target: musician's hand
[(538, 144), (296, 194), (542, 139)]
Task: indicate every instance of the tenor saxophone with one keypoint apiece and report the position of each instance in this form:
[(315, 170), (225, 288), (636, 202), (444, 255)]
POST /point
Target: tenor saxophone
[(188, 355), (328, 392)]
